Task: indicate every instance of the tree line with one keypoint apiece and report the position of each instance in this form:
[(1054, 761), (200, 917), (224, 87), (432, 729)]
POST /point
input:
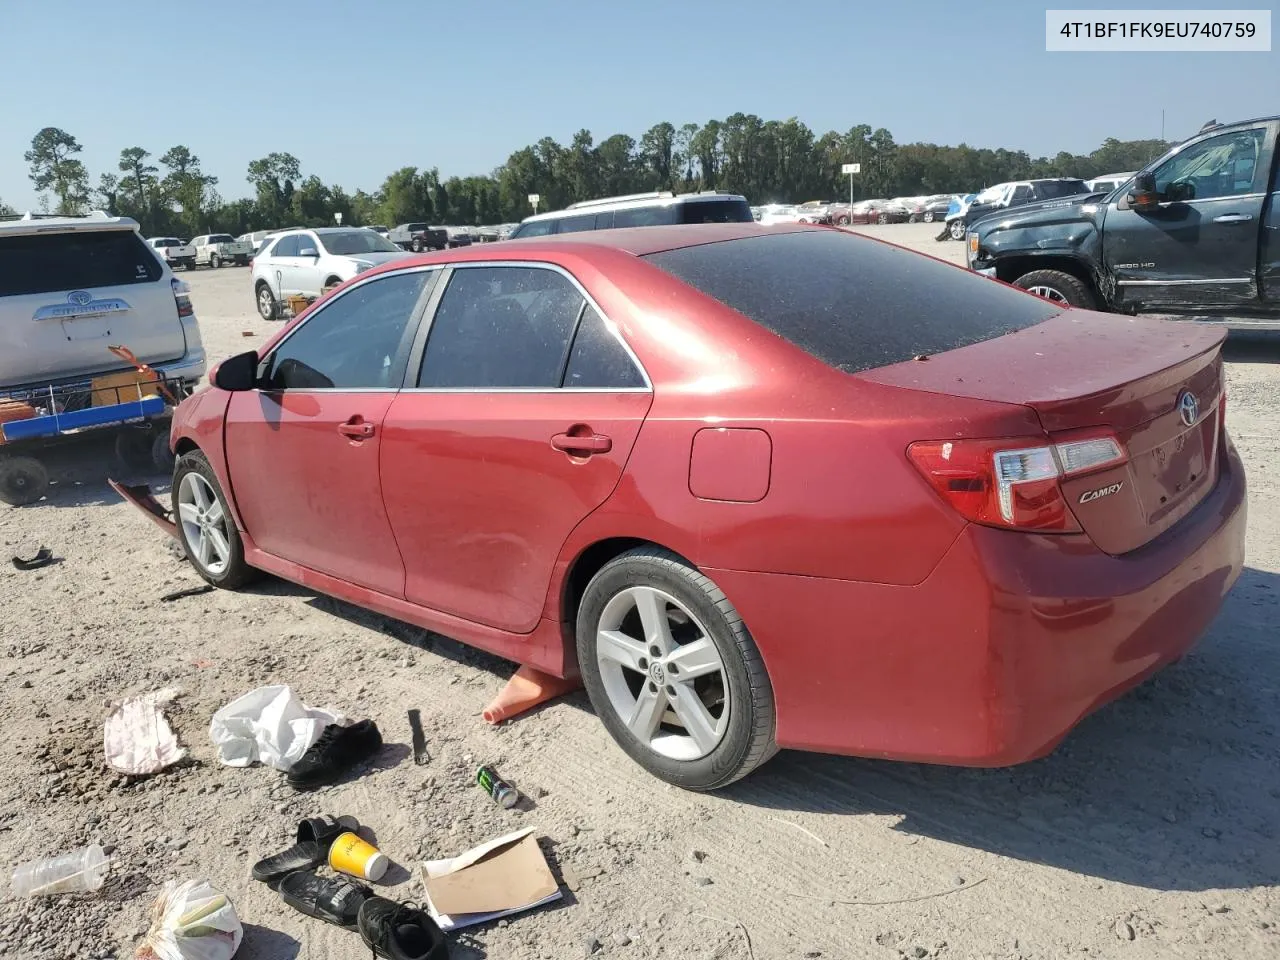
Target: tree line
[(769, 161)]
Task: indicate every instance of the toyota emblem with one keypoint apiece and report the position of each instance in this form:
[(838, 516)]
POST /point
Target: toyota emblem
[(80, 298), (1188, 407)]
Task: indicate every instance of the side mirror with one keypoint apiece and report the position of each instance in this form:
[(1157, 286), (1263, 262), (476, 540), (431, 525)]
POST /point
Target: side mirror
[(311, 252), (237, 374), (1142, 195)]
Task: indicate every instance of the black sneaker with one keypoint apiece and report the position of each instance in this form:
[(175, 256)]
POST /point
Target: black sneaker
[(336, 752), (400, 931)]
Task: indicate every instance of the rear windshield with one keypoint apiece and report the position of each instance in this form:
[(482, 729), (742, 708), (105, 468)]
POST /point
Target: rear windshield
[(60, 262), (852, 302), (716, 211), (1063, 188), (415, 227), (221, 238)]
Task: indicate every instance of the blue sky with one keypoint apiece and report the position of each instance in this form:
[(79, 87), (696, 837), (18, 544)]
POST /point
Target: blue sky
[(355, 90)]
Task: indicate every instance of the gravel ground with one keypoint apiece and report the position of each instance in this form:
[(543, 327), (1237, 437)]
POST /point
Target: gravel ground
[(1150, 833)]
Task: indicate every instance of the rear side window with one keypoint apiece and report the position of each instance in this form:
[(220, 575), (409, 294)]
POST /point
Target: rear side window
[(853, 303), (715, 211), (287, 246), (651, 216), (598, 359), (1053, 189), (501, 328), (586, 221), (86, 260)]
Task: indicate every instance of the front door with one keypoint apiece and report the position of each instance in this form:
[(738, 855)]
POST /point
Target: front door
[(1199, 247), (524, 412), (303, 451)]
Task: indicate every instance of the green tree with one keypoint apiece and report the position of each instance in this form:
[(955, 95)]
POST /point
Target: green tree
[(107, 194), (187, 187), (54, 168), (657, 154), (273, 178), (138, 186), (405, 198), (6, 210)]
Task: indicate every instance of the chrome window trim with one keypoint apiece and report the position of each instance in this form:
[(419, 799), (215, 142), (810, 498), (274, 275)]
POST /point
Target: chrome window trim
[(414, 318), (418, 353)]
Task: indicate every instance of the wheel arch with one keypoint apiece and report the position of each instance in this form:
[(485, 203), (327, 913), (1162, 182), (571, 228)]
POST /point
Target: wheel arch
[(1011, 268)]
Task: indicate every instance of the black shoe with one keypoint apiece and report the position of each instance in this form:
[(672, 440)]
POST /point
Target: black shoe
[(336, 752), (335, 900), (400, 931), (315, 837)]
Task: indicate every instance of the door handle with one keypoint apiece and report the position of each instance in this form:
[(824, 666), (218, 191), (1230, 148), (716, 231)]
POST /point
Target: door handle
[(582, 445), (1233, 218), (357, 428)]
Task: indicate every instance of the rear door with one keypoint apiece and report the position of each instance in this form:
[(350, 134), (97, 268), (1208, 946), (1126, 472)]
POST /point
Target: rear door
[(303, 451), (66, 295), (524, 411), (1199, 247)]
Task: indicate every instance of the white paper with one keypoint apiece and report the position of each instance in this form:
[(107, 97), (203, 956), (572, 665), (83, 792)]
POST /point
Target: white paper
[(137, 738), (269, 724), (440, 868)]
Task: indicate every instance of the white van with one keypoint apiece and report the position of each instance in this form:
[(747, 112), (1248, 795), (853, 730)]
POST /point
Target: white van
[(637, 210), (72, 286)]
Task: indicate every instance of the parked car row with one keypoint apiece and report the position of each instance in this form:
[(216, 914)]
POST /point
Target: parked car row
[(210, 250)]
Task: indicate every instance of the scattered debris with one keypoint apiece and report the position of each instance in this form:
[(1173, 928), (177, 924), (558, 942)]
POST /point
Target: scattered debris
[(592, 946), (702, 881), (314, 838), (886, 903), (137, 738), (621, 939), (699, 855), (79, 871), (353, 855), (1124, 930), (503, 794), (496, 879), (191, 921), (339, 749), (41, 558), (420, 755), (247, 333), (817, 839), (187, 592), (268, 725), (573, 876)]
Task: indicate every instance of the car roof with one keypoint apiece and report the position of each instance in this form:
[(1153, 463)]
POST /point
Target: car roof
[(632, 201), (95, 221), (637, 241)]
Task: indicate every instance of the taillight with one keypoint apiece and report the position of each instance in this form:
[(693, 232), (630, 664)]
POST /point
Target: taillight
[(181, 296), (1010, 483)]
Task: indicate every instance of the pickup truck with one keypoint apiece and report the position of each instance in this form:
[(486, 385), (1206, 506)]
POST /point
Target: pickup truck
[(1016, 193), (174, 252), (418, 237), (1197, 231), (215, 249)]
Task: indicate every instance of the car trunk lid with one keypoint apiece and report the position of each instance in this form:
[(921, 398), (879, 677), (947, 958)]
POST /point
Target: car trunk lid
[(68, 294), (1082, 372)]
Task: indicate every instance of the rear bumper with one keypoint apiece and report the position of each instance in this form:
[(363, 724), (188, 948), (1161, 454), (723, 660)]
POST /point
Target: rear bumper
[(1010, 642)]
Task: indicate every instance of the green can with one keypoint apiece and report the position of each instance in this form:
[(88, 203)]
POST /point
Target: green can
[(503, 793)]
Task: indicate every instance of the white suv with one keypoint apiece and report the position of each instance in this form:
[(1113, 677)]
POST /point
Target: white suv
[(72, 286), (309, 262)]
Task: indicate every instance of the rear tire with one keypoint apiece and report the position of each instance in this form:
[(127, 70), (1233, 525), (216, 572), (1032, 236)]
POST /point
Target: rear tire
[(416, 246), (842, 221), (913, 219), (215, 261), (882, 219), (133, 448), (1058, 287), (731, 673), (268, 309), (23, 480), (222, 562), (161, 456)]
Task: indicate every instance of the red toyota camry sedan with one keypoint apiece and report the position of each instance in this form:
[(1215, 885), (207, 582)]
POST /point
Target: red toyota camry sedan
[(761, 487)]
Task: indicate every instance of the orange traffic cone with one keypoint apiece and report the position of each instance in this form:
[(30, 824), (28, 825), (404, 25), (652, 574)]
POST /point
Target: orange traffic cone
[(524, 691)]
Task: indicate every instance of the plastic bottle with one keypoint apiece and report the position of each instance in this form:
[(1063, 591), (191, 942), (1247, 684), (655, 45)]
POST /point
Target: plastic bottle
[(80, 871)]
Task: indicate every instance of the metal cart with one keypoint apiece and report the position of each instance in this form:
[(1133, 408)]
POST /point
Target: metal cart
[(136, 405)]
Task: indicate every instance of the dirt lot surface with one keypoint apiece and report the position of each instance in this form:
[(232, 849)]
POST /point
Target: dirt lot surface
[(1152, 832)]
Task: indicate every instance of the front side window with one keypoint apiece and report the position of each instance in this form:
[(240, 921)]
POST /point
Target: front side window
[(1021, 193), (359, 341), (1222, 166), (501, 328), (535, 228)]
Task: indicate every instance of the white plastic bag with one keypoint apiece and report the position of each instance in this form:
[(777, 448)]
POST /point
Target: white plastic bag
[(137, 738), (191, 921), (270, 725)]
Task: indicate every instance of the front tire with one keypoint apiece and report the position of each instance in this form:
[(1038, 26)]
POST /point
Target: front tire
[(417, 246), (928, 217), (1058, 287), (956, 229), (205, 527), (842, 221), (672, 671), (882, 219), (268, 309)]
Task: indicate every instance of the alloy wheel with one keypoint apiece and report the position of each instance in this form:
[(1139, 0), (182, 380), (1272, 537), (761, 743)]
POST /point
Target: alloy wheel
[(1049, 293), (204, 524), (266, 303), (662, 673)]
